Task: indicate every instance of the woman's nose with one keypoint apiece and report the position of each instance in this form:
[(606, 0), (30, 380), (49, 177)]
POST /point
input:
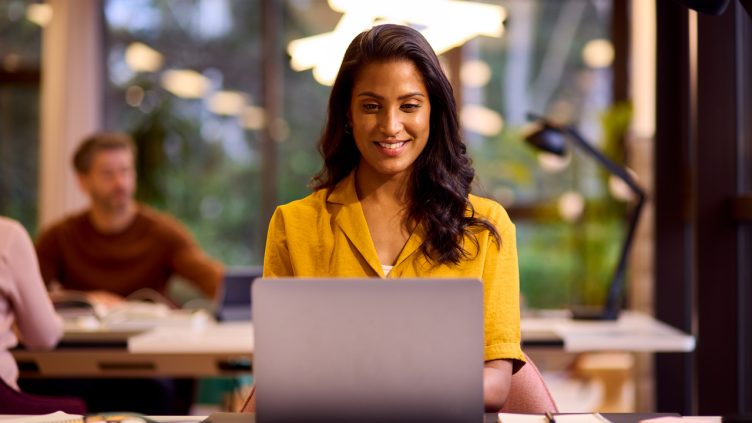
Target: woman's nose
[(391, 125)]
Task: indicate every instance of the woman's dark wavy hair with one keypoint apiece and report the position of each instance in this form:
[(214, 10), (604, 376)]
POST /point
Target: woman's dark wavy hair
[(442, 174)]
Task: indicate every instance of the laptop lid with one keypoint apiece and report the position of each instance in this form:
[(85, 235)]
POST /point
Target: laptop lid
[(234, 297), (368, 350)]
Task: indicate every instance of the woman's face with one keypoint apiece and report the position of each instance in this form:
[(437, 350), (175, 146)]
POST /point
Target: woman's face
[(390, 117)]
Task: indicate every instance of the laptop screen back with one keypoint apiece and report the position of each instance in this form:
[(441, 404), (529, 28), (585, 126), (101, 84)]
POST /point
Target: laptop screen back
[(234, 300), (368, 350)]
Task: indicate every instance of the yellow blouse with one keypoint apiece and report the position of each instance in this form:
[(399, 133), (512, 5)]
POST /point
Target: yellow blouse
[(326, 234)]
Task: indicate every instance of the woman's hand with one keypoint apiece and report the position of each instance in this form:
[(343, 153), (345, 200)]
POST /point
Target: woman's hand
[(497, 378)]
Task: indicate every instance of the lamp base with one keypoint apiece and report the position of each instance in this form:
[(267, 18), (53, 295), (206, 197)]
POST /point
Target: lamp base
[(593, 313)]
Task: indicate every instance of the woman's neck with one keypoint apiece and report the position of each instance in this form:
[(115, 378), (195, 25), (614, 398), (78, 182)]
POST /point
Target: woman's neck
[(373, 187)]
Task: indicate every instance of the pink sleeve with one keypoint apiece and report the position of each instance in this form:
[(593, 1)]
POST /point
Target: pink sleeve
[(38, 324)]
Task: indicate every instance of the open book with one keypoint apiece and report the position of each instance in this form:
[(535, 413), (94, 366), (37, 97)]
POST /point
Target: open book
[(56, 417), (560, 418), (134, 314)]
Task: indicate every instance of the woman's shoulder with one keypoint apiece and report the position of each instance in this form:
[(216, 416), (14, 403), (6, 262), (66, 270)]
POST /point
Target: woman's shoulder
[(9, 230), (12, 235), (10, 225), (490, 210), (306, 207)]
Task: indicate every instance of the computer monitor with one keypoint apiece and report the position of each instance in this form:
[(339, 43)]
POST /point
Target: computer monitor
[(234, 300)]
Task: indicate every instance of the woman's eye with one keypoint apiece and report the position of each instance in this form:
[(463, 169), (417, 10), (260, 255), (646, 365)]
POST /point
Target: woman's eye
[(370, 107), (410, 107)]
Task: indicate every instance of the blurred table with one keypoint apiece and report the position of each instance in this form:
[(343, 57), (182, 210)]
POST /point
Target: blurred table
[(632, 332), (214, 349)]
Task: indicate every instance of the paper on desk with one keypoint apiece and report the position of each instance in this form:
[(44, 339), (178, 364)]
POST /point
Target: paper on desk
[(692, 419), (142, 316), (56, 417), (234, 337), (560, 418), (136, 316)]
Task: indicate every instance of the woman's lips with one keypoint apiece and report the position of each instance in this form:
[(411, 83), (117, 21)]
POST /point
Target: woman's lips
[(391, 145), (391, 148)]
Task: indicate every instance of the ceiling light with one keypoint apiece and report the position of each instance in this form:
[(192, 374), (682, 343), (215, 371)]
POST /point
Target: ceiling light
[(571, 206), (449, 24), (598, 53), (39, 13), (253, 117), (185, 83), (475, 73), (481, 120), (227, 103), (142, 58)]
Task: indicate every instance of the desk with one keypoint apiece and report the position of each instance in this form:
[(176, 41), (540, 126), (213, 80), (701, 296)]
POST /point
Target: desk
[(487, 418), (632, 332), (227, 348), (216, 349)]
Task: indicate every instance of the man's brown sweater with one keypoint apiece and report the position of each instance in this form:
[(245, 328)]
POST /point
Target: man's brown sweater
[(144, 255)]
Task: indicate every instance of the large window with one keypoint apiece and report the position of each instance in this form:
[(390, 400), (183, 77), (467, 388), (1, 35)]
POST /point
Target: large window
[(185, 78), (19, 109), (554, 59)]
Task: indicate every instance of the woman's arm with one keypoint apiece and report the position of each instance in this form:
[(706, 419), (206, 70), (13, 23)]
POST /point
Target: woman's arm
[(38, 324), (497, 379)]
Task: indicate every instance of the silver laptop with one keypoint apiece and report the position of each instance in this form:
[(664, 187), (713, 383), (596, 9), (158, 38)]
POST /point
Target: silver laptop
[(368, 350)]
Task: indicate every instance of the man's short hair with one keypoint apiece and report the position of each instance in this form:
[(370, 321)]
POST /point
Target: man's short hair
[(101, 141)]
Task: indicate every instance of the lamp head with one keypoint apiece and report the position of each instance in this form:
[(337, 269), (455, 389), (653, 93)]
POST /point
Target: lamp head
[(548, 138)]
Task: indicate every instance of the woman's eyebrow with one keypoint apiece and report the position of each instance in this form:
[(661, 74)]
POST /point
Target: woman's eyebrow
[(408, 95), (379, 97)]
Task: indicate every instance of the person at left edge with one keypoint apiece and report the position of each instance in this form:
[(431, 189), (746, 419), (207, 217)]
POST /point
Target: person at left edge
[(117, 245)]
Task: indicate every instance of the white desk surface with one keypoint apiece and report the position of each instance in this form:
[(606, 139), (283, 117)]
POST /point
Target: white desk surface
[(231, 337), (218, 348), (632, 332)]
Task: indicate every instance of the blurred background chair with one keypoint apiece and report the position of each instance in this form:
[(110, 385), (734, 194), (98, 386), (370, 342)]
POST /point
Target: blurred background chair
[(15, 402), (529, 393)]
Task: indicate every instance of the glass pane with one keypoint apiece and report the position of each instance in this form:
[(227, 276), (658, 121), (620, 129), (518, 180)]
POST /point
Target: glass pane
[(204, 166), (19, 112), (183, 78), (552, 60)]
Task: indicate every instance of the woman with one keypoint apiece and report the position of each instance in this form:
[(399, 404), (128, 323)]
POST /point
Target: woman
[(23, 300), (393, 198)]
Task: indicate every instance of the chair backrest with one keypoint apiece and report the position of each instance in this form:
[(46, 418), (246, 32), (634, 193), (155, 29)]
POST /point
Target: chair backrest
[(250, 403), (15, 402), (528, 393)]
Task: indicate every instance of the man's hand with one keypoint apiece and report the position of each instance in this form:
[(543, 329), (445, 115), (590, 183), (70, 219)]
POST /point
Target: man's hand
[(105, 298)]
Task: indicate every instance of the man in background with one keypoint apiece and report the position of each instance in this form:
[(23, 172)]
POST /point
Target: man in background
[(111, 250), (118, 246)]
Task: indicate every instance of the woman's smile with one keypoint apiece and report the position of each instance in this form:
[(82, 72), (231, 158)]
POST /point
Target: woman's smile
[(390, 116)]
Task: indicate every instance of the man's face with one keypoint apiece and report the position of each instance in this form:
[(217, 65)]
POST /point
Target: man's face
[(111, 179)]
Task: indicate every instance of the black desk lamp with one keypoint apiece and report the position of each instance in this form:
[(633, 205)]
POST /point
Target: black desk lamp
[(551, 138)]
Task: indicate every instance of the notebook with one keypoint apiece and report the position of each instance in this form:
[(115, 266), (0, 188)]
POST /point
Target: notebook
[(234, 297), (368, 350)]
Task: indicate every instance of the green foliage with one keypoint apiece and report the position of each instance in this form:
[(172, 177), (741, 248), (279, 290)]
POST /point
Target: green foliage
[(561, 263)]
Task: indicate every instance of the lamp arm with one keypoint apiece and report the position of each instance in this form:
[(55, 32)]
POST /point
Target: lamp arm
[(613, 297), (613, 303), (605, 162)]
